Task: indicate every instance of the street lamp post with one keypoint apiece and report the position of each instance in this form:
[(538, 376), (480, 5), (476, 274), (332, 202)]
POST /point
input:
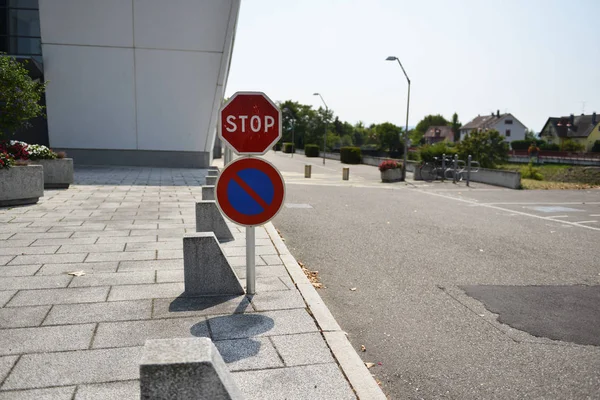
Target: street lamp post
[(393, 58), (325, 133)]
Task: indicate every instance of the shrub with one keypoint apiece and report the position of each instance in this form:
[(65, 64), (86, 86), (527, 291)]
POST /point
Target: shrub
[(549, 146), (520, 144), (288, 148), (6, 160), (596, 147), (277, 146), (350, 155), (571, 145), (311, 150), (530, 172), (389, 164), (413, 156), (488, 148), (429, 152), (40, 152)]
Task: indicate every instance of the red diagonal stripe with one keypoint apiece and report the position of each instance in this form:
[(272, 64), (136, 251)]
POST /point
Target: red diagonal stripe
[(250, 191)]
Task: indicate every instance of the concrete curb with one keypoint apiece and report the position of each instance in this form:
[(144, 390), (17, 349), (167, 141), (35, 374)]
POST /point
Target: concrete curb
[(352, 365)]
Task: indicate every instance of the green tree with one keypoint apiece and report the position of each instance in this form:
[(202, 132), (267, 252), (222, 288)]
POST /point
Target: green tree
[(455, 124), (431, 120), (19, 96), (488, 148), (416, 138), (388, 136), (359, 134), (530, 136)]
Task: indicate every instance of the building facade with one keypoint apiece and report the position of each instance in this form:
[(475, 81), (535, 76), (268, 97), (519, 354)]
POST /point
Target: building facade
[(131, 82), (506, 124), (582, 129)]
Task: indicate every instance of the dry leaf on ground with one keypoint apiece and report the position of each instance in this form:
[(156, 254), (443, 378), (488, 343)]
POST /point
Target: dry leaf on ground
[(353, 289), (76, 273), (363, 348), (369, 365)]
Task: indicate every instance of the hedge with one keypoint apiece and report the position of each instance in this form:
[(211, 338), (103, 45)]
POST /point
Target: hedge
[(311, 150), (549, 146), (350, 155), (427, 153), (288, 148), (278, 146), (520, 144), (596, 147)]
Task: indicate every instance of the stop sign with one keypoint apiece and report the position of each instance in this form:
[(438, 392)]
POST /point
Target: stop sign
[(250, 123)]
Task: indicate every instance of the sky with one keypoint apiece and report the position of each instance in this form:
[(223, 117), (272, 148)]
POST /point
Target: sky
[(532, 58)]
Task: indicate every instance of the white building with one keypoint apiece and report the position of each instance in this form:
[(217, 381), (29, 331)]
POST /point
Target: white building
[(506, 124), (136, 82)]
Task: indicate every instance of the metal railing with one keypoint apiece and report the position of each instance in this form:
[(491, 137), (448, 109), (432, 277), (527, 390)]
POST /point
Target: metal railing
[(449, 168)]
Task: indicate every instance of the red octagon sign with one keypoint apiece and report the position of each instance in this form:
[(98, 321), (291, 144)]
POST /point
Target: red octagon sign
[(250, 123)]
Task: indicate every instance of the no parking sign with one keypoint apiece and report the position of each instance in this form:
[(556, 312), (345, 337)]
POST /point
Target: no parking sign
[(250, 191)]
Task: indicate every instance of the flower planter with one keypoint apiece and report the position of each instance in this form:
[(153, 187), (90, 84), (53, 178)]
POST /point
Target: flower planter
[(21, 185), (58, 173), (391, 175)]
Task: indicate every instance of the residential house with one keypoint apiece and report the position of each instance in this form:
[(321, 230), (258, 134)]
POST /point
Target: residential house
[(506, 124), (583, 129), (439, 134)]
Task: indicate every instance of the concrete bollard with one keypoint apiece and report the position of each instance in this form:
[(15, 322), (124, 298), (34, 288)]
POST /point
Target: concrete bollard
[(213, 172), (307, 171), (210, 219), (185, 369), (211, 180), (345, 173), (208, 192), (206, 270)]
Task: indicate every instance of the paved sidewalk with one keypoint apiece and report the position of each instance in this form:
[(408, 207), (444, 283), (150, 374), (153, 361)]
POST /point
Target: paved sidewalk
[(89, 273)]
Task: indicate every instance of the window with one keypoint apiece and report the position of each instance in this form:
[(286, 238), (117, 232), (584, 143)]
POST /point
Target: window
[(508, 122), (20, 28), (507, 134)]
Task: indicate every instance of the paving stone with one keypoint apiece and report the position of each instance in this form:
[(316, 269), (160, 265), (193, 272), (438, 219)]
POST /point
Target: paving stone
[(263, 271), (5, 296), (99, 312), (15, 243), (84, 228), (135, 333), (271, 283), (127, 239), (140, 226), (58, 296), (303, 349), (75, 367), (6, 364), (19, 270), (46, 235), (150, 265), (173, 275), (122, 256), (170, 254), (244, 354), (4, 236), (91, 248), (88, 268), (311, 382), (278, 300), (45, 339), (200, 306), (58, 393), (272, 259), (151, 291), (8, 251), (110, 279), (34, 282), (241, 251), (97, 234), (19, 317), (108, 391), (5, 259), (155, 246), (48, 258), (162, 232), (70, 241), (264, 324), (239, 261)]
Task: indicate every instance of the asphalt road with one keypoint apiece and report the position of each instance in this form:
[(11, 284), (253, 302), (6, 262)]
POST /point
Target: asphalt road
[(412, 249)]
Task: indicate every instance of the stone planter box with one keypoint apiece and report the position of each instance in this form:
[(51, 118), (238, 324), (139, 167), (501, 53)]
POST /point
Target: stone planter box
[(391, 175), (21, 185), (58, 173)]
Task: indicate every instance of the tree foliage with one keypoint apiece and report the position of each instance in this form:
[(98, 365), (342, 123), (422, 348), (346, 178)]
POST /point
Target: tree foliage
[(486, 147), (455, 125), (19, 95), (388, 136), (431, 120)]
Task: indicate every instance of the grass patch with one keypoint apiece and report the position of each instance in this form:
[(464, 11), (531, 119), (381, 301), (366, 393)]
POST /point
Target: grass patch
[(558, 176)]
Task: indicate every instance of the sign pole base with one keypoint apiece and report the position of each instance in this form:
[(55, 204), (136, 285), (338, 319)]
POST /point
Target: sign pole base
[(250, 260)]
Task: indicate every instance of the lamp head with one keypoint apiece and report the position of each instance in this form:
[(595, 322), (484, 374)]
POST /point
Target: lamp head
[(391, 58), (315, 94)]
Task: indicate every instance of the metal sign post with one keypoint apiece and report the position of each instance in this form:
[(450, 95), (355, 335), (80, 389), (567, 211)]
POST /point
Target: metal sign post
[(250, 260)]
